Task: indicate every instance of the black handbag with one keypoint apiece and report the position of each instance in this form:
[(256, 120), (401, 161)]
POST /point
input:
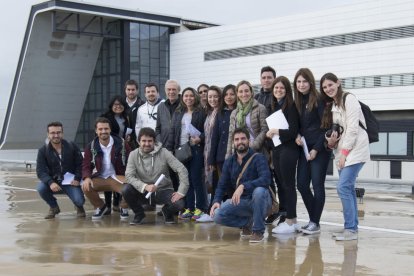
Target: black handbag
[(183, 153)]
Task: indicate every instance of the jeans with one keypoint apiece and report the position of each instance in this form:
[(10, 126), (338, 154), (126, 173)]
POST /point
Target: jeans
[(74, 193), (346, 192), (248, 211), (196, 195), (135, 199), (314, 171)]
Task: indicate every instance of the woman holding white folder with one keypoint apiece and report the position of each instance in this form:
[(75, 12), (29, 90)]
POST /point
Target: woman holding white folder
[(312, 167), (286, 154)]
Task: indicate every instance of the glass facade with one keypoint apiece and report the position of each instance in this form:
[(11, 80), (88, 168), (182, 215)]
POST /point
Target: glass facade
[(147, 56)]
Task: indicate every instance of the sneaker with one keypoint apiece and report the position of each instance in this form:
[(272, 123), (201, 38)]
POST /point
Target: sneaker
[(304, 226), (138, 219), (347, 235), (186, 215), (168, 217), (246, 231), (53, 211), (312, 228), (204, 218), (123, 214), (159, 213), (281, 219), (270, 219), (284, 228), (256, 237), (99, 213), (115, 208), (334, 234), (80, 212), (197, 214)]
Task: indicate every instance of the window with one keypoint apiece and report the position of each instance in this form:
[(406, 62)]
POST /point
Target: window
[(380, 147), (397, 143)]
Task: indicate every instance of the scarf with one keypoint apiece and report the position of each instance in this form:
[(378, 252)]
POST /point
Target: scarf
[(242, 111)]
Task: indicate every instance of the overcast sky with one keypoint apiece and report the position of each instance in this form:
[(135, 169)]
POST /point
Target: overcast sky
[(14, 16)]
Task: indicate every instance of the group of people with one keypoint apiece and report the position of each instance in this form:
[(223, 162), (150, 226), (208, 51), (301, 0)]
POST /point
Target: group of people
[(232, 159)]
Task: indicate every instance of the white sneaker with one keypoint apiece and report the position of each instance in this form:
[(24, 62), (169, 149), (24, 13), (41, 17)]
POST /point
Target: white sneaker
[(204, 218), (285, 228)]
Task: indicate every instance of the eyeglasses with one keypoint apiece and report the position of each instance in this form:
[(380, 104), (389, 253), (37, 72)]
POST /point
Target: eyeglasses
[(118, 104)]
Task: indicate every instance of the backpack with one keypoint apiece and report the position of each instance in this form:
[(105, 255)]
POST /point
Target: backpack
[(372, 123)]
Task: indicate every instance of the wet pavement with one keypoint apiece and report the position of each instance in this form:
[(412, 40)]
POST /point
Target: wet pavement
[(31, 245)]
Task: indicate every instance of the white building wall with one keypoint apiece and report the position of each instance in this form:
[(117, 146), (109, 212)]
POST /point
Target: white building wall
[(384, 57), (364, 59)]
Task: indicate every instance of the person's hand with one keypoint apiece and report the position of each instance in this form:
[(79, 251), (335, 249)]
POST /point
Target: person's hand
[(235, 199), (298, 140), (74, 183), (333, 139), (271, 132), (211, 168), (194, 140), (176, 197), (86, 185), (213, 208), (312, 154), (128, 138), (55, 187), (341, 162), (150, 188)]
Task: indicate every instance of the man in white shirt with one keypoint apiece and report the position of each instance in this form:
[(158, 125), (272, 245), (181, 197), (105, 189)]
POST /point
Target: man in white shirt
[(103, 167), (147, 113)]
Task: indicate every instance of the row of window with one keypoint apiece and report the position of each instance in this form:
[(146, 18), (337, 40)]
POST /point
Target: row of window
[(392, 143), (312, 43)]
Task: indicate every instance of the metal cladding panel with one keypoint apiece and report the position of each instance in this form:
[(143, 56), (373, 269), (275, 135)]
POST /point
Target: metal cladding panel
[(53, 85)]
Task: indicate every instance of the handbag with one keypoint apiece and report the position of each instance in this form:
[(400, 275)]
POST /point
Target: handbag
[(183, 153), (274, 208)]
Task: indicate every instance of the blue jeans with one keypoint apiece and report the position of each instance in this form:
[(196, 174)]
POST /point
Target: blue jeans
[(74, 193), (346, 192), (196, 195), (248, 211), (314, 171)]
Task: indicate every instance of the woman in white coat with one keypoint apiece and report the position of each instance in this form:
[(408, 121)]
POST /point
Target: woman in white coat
[(351, 147)]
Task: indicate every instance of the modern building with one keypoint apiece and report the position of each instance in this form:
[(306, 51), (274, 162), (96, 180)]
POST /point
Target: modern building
[(76, 56)]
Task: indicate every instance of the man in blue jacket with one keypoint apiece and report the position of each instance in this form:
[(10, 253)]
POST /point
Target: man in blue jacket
[(59, 169), (249, 190)]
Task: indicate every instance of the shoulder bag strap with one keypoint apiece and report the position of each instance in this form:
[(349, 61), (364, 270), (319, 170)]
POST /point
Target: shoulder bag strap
[(244, 168)]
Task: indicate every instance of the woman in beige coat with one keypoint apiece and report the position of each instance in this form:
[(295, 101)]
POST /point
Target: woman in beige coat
[(350, 144), (249, 114)]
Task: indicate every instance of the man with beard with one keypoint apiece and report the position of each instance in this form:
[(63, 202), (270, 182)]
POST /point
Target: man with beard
[(59, 168), (134, 102), (145, 165), (147, 113), (103, 168), (245, 179)]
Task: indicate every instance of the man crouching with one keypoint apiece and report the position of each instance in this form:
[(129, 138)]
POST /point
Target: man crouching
[(245, 178), (145, 165)]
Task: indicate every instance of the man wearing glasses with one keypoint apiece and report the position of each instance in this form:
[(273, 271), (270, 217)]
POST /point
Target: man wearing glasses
[(147, 113), (59, 169)]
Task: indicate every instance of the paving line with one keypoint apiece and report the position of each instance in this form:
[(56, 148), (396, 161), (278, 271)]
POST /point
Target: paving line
[(17, 188), (366, 227)]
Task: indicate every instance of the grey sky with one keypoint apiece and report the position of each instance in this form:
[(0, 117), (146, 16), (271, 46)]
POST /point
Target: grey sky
[(14, 16)]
